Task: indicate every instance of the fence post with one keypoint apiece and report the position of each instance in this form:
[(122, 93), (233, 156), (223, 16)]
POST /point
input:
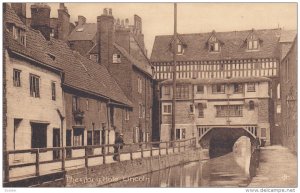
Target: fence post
[(142, 151), (63, 157), (167, 148), (119, 154), (86, 158), (37, 162), (151, 153), (103, 154), (159, 153), (173, 144), (6, 166)]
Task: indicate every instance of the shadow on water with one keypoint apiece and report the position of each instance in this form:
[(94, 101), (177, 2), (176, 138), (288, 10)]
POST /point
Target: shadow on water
[(230, 170)]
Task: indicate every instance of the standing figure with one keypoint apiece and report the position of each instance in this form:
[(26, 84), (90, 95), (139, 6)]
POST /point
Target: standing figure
[(119, 142)]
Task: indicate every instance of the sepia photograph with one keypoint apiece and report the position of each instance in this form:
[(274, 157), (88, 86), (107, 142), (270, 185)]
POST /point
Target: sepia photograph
[(150, 95)]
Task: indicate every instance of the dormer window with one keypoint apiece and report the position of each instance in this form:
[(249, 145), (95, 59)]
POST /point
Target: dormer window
[(214, 47), (213, 43), (19, 35), (252, 42), (179, 49)]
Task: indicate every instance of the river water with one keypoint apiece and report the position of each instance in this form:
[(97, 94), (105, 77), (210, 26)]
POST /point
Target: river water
[(230, 170)]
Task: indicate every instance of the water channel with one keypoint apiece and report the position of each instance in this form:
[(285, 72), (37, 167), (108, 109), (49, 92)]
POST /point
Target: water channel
[(230, 170)]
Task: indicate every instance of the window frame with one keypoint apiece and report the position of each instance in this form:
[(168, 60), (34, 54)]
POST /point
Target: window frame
[(200, 92), (200, 110), (34, 82), (215, 91), (17, 79), (53, 90), (116, 58), (238, 88), (253, 88), (229, 111), (168, 108)]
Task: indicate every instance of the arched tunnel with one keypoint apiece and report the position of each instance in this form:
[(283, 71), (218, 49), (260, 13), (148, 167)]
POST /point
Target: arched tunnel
[(220, 141)]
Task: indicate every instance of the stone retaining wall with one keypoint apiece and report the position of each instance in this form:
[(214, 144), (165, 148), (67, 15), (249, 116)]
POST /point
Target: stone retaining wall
[(108, 173)]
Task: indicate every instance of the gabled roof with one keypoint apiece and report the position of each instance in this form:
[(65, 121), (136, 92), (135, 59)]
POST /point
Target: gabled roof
[(287, 36), (80, 72), (37, 47), (86, 31), (218, 81), (234, 46)]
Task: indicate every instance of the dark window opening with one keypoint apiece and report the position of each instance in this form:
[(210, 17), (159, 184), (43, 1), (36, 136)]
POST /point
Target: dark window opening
[(38, 135)]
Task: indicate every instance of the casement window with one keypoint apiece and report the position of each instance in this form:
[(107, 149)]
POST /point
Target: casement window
[(94, 57), (238, 88), (179, 49), (252, 43), (116, 58), (167, 90), (229, 110), (53, 91), (136, 135), (167, 109), (200, 89), (180, 133), (78, 137), (93, 137), (34, 86), (218, 89), (214, 47), (17, 77), (251, 87), (75, 103), (182, 91), (19, 35), (126, 114), (200, 110), (38, 135), (97, 137)]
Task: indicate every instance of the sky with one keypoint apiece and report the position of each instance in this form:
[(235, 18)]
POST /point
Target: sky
[(158, 18)]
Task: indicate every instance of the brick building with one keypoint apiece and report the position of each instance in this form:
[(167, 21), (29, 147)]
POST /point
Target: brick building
[(288, 83), (214, 55), (60, 27), (120, 47), (204, 104)]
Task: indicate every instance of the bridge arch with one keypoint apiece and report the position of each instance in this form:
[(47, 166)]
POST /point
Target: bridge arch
[(220, 139)]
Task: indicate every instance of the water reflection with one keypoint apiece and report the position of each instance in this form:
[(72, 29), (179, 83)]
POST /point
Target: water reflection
[(230, 170)]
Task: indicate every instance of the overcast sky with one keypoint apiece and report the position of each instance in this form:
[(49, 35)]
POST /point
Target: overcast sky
[(192, 17)]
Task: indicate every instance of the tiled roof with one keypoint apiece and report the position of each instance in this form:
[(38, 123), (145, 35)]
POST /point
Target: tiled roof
[(216, 81), (288, 35), (86, 31), (80, 72), (36, 47), (233, 46), (11, 17)]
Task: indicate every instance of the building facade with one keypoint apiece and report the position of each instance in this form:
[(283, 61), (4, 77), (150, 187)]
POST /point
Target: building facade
[(33, 96), (204, 104), (289, 104), (215, 55), (120, 48)]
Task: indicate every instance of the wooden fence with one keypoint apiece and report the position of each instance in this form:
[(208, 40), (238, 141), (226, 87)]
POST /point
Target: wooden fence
[(168, 147)]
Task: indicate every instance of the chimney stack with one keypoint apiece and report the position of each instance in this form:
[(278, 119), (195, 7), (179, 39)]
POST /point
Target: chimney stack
[(40, 19), (20, 9), (105, 39), (63, 22), (81, 20)]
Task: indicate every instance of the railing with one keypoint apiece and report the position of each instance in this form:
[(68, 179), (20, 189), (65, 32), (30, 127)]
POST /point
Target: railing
[(145, 149)]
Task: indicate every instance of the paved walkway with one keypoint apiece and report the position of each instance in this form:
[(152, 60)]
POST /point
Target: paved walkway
[(277, 168)]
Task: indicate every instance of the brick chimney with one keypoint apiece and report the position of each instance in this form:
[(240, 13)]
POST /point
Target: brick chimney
[(40, 19), (81, 20), (63, 22), (138, 32), (20, 9), (105, 32)]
